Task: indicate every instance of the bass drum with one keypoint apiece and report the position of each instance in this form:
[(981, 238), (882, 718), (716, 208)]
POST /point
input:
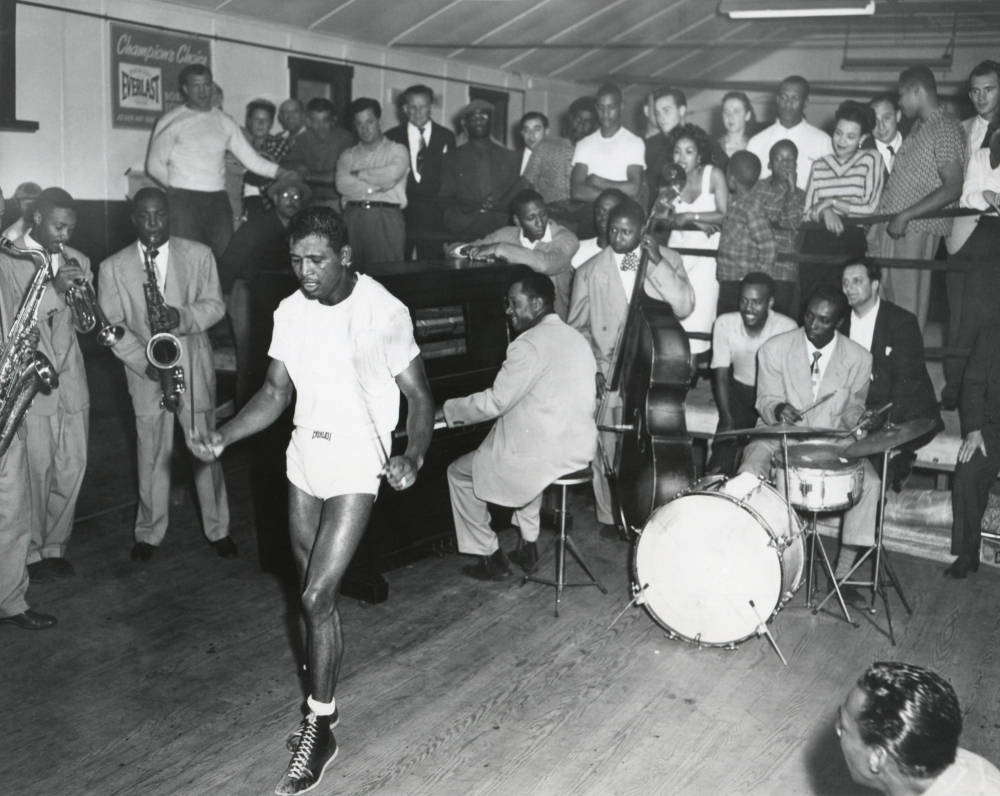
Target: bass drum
[(702, 558)]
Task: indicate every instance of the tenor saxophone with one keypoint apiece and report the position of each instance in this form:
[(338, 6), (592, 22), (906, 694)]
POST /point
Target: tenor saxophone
[(24, 370), (163, 350)]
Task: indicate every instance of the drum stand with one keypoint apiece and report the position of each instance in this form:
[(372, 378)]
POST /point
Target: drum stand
[(883, 573)]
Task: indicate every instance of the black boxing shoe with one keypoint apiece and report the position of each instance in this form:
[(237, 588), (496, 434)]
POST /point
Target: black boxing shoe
[(292, 741), (316, 750)]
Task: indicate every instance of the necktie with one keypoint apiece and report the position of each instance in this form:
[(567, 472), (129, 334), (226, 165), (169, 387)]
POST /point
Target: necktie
[(814, 372), (990, 129), (630, 262), (422, 151)]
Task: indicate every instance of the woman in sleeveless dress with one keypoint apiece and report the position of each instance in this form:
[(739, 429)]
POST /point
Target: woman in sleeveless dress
[(698, 215)]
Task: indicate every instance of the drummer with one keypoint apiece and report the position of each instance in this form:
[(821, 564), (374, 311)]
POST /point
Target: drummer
[(794, 371)]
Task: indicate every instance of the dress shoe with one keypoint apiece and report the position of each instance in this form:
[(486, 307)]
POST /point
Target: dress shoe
[(526, 557), (142, 551), (959, 568), (949, 398), (225, 547), (29, 620), (41, 571), (492, 567), (60, 567)]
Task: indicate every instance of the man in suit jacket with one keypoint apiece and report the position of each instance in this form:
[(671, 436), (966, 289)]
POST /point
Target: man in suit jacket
[(899, 371), (189, 283), (796, 368), (478, 179), (979, 455), (56, 425), (602, 288), (15, 533), (427, 143), (535, 241), (543, 400)]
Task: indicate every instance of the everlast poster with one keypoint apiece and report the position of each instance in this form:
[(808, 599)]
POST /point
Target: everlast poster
[(145, 64)]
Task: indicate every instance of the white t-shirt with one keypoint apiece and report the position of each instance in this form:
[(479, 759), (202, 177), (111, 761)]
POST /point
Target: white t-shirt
[(863, 329), (811, 142), (610, 157), (344, 358), (731, 345), (969, 775)]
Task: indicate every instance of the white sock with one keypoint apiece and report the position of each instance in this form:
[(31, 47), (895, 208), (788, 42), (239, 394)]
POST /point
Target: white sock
[(321, 708)]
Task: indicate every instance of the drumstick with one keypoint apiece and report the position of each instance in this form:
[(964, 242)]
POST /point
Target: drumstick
[(817, 402), (863, 423)]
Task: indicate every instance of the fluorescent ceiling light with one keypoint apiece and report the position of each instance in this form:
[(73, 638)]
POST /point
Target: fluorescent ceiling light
[(771, 9)]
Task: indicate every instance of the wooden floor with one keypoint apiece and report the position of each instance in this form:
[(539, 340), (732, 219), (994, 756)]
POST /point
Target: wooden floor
[(180, 677)]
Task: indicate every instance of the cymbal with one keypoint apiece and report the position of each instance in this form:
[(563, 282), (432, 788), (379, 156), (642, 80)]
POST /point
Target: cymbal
[(780, 430), (889, 437)]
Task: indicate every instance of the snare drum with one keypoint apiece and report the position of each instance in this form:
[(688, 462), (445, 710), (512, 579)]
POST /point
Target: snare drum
[(820, 478), (702, 557)]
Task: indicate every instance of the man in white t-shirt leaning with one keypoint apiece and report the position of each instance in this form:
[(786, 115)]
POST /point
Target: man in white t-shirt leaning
[(344, 347), (736, 337), (610, 157), (812, 143)]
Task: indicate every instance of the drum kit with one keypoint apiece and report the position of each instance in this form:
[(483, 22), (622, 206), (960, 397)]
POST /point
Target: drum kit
[(717, 563)]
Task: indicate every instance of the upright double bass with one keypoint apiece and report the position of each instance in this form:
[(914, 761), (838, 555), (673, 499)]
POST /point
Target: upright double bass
[(652, 371)]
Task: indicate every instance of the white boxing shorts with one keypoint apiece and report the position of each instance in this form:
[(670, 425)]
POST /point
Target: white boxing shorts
[(325, 465)]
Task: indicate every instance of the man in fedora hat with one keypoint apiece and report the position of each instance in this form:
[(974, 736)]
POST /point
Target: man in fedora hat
[(478, 179)]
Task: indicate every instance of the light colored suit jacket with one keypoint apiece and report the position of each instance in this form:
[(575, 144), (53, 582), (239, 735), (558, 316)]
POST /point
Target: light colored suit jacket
[(58, 341), (783, 377), (192, 287), (543, 399), (598, 306)]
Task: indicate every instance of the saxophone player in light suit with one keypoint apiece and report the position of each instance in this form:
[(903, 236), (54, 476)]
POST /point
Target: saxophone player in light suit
[(57, 424), (186, 300)]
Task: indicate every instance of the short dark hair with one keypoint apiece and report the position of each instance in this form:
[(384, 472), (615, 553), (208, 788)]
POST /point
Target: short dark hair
[(52, 199), (700, 138), (419, 88), (534, 115), (861, 115), (630, 209), (618, 195), (609, 88), (321, 105), (523, 198), (913, 714), (798, 80), (362, 104), (873, 269), (190, 71), (758, 278), (888, 97), (674, 93), (784, 143), (535, 285), (321, 221), (261, 105), (919, 75), (149, 192), (583, 105), (829, 293), (745, 168), (983, 68)]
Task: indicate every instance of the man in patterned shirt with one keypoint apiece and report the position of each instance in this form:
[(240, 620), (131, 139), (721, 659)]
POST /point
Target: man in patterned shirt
[(926, 178)]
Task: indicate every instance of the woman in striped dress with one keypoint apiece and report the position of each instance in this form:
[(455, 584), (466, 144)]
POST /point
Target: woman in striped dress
[(845, 183)]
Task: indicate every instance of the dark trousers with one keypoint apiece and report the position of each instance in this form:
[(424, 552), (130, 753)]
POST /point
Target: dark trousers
[(376, 234), (969, 497), (726, 452), (980, 294), (785, 300), (204, 216)]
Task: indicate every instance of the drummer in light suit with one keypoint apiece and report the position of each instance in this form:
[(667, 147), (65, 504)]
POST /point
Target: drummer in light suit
[(189, 282), (602, 289), (795, 369), (543, 399)]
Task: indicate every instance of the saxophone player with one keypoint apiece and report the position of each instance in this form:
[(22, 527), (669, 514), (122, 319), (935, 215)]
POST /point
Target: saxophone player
[(15, 533), (167, 284), (56, 425)]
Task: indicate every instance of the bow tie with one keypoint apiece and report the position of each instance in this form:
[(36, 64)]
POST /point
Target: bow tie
[(630, 262)]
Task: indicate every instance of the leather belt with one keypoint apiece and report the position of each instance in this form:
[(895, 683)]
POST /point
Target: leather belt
[(367, 205)]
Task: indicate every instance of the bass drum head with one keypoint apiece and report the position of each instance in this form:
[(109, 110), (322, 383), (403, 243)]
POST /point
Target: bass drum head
[(700, 560)]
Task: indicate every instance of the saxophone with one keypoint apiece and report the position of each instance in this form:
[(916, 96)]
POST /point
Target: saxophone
[(24, 371), (163, 351)]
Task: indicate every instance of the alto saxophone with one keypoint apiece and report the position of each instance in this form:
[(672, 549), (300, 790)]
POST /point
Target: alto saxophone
[(24, 370), (163, 351)]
